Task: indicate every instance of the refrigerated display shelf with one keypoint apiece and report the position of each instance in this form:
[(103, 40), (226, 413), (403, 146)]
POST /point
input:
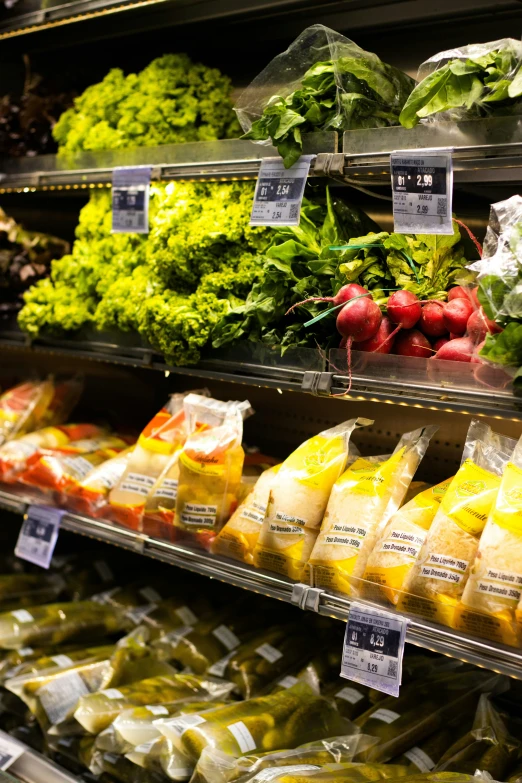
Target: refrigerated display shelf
[(421, 633), (32, 767)]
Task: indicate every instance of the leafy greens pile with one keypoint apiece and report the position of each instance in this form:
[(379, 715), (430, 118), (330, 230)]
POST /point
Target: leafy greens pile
[(172, 286), (172, 100), (485, 79)]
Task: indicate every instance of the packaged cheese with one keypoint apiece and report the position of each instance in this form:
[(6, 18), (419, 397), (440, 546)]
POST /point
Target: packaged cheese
[(210, 467), (239, 536), (299, 497), (398, 547), (494, 587), (90, 495), (442, 568), (362, 501)]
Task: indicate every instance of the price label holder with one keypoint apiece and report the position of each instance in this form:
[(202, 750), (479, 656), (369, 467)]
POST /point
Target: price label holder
[(422, 184), (373, 648), (10, 751), (38, 535), (279, 192), (130, 200)]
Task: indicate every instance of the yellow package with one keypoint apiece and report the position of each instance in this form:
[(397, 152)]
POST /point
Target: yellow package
[(398, 547), (210, 466), (239, 536), (494, 587), (299, 497), (442, 568), (361, 503)]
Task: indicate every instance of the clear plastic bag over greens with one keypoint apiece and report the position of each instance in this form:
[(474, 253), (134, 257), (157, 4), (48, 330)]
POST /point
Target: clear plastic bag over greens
[(299, 497), (323, 81), (362, 501), (478, 80)]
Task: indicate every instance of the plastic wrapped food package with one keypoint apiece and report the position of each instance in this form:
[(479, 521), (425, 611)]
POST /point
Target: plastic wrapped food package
[(210, 468), (351, 699), (280, 720), (398, 547), (175, 612), (18, 590), (239, 536), (298, 500), (442, 568), (160, 504), (362, 501), (90, 495), (494, 587), (477, 80), (96, 711), (425, 756), (351, 772)]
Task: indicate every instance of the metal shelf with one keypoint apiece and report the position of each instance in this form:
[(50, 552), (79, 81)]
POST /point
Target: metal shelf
[(32, 767), (421, 633)]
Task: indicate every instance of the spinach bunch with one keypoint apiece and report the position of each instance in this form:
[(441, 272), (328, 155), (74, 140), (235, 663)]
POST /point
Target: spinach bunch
[(470, 87)]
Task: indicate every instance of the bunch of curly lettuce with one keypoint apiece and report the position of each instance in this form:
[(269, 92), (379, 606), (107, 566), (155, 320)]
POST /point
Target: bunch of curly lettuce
[(172, 100), (172, 286)]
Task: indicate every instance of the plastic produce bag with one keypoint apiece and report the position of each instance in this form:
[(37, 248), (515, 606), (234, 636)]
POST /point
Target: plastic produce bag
[(175, 612), (210, 466), (351, 772), (488, 746), (18, 590), (160, 504), (57, 623), (97, 710), (372, 489), (90, 495), (442, 568), (398, 546), (478, 80), (323, 81), (425, 756), (239, 536), (298, 500), (280, 720), (351, 699)]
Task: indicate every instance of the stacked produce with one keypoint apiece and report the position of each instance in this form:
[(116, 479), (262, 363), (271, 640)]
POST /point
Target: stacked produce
[(250, 688), (25, 258)]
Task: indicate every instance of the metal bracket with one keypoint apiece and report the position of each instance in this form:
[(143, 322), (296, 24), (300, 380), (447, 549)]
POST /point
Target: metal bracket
[(329, 164), (306, 597), (318, 383), (138, 543)]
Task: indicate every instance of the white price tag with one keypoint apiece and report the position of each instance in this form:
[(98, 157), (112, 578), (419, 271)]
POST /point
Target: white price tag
[(38, 535), (9, 752), (279, 192), (422, 184), (130, 200), (373, 649)]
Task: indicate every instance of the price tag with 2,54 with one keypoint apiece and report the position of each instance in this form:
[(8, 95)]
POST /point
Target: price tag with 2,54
[(279, 192), (373, 648), (422, 184), (38, 535), (130, 200)]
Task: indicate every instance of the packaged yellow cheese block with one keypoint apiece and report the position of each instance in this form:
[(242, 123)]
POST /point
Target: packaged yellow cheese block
[(442, 568), (361, 503), (239, 536), (398, 547), (494, 587), (299, 497)]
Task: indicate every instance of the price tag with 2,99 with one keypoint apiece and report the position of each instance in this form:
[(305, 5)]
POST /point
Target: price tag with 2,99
[(422, 183), (38, 535), (279, 192), (373, 648)]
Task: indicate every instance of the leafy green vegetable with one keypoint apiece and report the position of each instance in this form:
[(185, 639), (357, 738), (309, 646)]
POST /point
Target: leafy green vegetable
[(505, 347), (476, 86), (354, 90), (172, 100)]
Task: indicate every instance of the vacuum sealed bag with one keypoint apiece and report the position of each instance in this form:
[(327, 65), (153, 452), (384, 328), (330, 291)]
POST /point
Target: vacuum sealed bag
[(18, 590), (299, 497), (175, 612), (443, 565), (398, 546), (362, 501), (239, 536), (323, 81), (350, 772)]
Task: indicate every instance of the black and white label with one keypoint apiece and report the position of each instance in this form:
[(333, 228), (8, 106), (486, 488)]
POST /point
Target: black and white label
[(38, 535), (288, 682), (279, 192), (218, 669), (242, 736), (373, 649), (422, 184), (273, 772), (227, 637), (186, 615), (351, 695), (168, 489), (421, 759), (9, 752), (61, 695), (269, 653), (157, 709), (130, 200), (138, 483)]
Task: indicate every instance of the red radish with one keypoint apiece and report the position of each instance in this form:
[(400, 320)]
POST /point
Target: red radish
[(476, 359), (411, 342), (479, 325), (458, 292), (359, 319), (344, 294), (404, 309), (459, 350), (440, 342), (474, 296), (456, 314), (379, 343), (431, 321)]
